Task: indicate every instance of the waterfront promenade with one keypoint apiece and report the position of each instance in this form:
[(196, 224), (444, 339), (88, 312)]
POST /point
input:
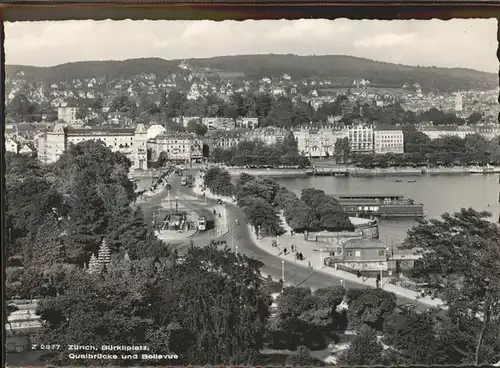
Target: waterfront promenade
[(312, 254), (352, 171)]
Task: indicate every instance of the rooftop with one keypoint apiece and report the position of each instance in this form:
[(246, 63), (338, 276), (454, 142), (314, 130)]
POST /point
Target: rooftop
[(360, 243)]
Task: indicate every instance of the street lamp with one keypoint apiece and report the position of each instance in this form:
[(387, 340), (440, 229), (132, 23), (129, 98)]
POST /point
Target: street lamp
[(176, 205), (283, 272), (258, 232), (236, 249)]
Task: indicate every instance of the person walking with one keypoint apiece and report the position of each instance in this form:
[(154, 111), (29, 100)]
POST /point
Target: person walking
[(310, 266), (377, 281)]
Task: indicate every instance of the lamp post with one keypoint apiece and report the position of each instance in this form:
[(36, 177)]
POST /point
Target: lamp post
[(236, 249), (321, 250), (176, 205), (258, 232), (283, 272)]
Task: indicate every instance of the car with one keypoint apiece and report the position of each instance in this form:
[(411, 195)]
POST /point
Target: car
[(219, 201)]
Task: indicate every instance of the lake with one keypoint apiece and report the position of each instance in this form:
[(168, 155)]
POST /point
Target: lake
[(438, 193)]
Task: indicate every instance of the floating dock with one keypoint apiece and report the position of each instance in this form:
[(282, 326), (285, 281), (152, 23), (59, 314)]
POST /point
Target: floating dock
[(380, 205)]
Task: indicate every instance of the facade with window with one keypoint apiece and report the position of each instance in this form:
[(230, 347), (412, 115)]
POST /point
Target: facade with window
[(177, 146), (388, 141), (361, 138), (366, 254), (316, 142), (129, 141)]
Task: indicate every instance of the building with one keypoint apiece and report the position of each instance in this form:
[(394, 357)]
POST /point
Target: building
[(224, 140), (67, 114), (129, 141), (458, 102), (249, 123), (11, 145), (360, 138), (388, 141), (184, 120), (268, 135), (179, 147), (363, 254), (440, 131), (488, 131), (316, 142), (219, 123)]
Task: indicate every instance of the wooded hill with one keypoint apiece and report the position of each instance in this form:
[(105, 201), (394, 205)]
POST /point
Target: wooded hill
[(338, 68)]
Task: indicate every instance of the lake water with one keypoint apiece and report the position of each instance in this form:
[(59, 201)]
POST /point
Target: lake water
[(438, 193)]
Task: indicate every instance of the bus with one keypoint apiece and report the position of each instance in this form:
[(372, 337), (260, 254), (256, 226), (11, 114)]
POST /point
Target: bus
[(202, 224)]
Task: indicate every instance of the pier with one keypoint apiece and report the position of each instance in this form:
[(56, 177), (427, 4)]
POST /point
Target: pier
[(328, 171), (381, 205)]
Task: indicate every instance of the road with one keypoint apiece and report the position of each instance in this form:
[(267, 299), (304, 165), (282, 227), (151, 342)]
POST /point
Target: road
[(239, 236), (187, 201)]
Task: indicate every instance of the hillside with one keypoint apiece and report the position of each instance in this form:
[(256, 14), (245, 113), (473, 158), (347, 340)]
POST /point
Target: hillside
[(94, 69), (341, 69)]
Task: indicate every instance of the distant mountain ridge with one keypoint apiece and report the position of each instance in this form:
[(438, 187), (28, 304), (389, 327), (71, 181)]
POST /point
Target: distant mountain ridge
[(341, 68)]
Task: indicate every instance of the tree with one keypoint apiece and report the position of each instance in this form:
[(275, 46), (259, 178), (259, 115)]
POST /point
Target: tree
[(227, 312), (260, 213), (474, 118), (49, 247), (417, 340), (369, 307), (196, 127), (461, 254), (364, 350)]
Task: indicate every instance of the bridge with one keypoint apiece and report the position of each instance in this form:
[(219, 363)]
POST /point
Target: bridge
[(328, 171)]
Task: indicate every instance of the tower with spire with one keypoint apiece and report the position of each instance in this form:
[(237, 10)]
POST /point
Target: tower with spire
[(458, 102)]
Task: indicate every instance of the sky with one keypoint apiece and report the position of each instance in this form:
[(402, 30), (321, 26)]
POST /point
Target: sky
[(467, 43)]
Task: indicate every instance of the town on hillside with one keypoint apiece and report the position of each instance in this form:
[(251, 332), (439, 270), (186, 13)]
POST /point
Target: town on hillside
[(251, 210)]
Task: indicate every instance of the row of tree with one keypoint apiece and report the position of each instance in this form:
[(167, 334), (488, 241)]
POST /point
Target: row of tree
[(314, 211), (420, 150), (257, 154)]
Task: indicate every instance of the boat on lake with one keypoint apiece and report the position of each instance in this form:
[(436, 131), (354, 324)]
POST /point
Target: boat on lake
[(380, 205), (485, 170)]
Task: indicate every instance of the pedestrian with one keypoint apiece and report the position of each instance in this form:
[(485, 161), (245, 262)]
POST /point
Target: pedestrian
[(292, 248), (358, 274), (285, 251), (378, 281), (301, 256), (310, 267)]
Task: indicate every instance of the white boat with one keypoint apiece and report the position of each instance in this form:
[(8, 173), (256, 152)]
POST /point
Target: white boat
[(485, 170)]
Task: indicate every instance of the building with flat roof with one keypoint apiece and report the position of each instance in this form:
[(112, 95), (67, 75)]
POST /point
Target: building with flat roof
[(388, 140), (129, 141)]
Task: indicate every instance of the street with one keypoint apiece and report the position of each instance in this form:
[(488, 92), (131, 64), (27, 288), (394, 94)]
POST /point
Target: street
[(238, 238)]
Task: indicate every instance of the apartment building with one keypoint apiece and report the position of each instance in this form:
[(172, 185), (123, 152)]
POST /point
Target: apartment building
[(316, 142), (224, 139), (439, 131), (129, 141), (388, 140), (360, 138), (219, 123), (176, 145), (268, 135)]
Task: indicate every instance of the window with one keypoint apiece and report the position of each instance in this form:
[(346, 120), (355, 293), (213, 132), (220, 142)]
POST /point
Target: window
[(349, 253), (381, 252), (358, 253)]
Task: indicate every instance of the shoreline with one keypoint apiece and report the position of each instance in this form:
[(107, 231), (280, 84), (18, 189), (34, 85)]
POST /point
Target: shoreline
[(354, 172), (368, 282)]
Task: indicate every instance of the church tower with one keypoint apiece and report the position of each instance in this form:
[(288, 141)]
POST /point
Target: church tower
[(458, 102)]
